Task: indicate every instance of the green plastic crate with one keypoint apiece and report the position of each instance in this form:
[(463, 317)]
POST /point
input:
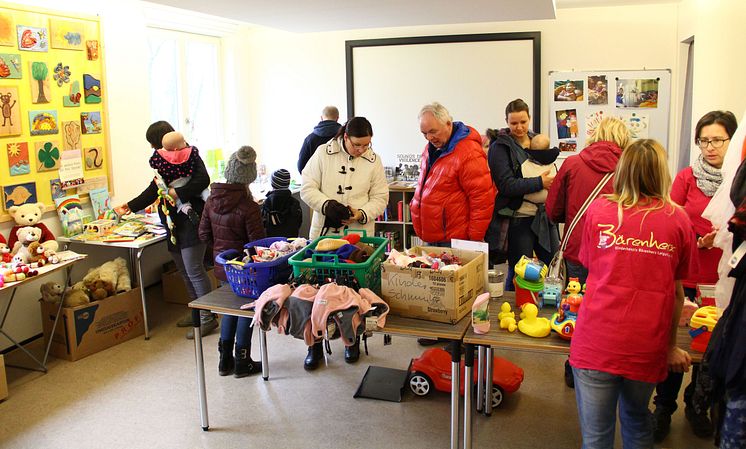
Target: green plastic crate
[(368, 273)]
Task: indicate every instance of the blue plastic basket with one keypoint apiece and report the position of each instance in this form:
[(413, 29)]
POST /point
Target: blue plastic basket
[(252, 279)]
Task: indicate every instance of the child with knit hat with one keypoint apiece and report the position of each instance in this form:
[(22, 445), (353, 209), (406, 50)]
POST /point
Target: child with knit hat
[(281, 212), (231, 219)]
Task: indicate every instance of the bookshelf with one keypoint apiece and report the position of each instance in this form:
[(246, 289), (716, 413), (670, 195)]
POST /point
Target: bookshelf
[(396, 223)]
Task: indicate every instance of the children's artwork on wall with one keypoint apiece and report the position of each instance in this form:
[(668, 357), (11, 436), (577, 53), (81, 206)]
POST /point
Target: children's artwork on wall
[(90, 122), (39, 81), (43, 122), (18, 194), (567, 123), (55, 186), (11, 109), (71, 135), (94, 158), (598, 92), (18, 160), (592, 120), (92, 50), (73, 99), (7, 30), (61, 74), (10, 66), (95, 182), (70, 212), (91, 89), (637, 123), (32, 38), (47, 155), (568, 90), (99, 202), (66, 34), (568, 145), (637, 93)]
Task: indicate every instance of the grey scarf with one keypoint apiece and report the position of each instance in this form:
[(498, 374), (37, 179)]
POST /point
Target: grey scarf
[(708, 177)]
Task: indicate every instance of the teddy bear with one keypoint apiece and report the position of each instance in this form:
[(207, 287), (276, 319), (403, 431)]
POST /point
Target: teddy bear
[(76, 295), (25, 236), (37, 256), (29, 214), (51, 292), (110, 278)]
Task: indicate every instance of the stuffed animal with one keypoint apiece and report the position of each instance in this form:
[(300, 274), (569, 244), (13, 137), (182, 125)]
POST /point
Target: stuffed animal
[(29, 214), (110, 278), (5, 255), (76, 296), (36, 254), (25, 236), (124, 282), (51, 292)]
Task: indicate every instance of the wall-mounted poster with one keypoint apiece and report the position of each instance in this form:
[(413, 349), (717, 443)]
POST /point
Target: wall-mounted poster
[(18, 194), (637, 93), (7, 30), (568, 146), (32, 38), (598, 92), (43, 122), (10, 66), (568, 90), (66, 34), (18, 159), (567, 123), (11, 108)]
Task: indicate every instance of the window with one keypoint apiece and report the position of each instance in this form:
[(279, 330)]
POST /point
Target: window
[(185, 85)]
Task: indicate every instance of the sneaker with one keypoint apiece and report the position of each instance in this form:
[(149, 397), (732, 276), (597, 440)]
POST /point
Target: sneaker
[(662, 423), (699, 422), (205, 328), (186, 321), (569, 378)]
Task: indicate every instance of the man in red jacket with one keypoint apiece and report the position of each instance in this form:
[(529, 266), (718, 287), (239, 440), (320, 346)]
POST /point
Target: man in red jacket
[(455, 194)]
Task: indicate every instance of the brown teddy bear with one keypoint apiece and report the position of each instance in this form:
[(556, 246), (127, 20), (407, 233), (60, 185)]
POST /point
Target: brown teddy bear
[(36, 254), (76, 296), (51, 292), (109, 279)]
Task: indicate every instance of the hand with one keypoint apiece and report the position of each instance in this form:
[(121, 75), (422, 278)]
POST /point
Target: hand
[(122, 210), (679, 360), (707, 240), (547, 179), (356, 217)]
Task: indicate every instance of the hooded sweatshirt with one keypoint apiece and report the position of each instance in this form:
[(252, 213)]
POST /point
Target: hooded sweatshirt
[(322, 133), (576, 179), (230, 220)]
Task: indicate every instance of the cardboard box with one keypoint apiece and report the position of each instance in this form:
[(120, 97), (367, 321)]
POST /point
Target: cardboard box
[(90, 328), (174, 289), (442, 296), (3, 380)]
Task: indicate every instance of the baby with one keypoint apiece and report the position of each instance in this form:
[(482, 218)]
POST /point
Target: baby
[(568, 93)]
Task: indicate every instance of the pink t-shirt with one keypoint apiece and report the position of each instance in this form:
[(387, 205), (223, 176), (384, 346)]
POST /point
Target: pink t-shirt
[(624, 322)]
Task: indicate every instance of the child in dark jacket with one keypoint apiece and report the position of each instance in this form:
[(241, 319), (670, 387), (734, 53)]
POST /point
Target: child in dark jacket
[(281, 212), (231, 219)]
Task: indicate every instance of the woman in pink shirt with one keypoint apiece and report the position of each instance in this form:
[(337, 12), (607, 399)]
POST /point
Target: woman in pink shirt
[(624, 343)]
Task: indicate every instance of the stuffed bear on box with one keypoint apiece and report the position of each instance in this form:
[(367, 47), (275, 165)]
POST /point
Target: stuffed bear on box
[(51, 292), (25, 236)]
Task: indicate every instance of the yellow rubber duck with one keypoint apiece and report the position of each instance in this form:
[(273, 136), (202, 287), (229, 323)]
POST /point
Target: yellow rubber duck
[(505, 312), (531, 324), (508, 322)]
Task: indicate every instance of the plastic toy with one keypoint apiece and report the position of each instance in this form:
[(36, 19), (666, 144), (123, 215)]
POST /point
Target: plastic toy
[(480, 315), (531, 324), (432, 370), (531, 270), (563, 322), (505, 311), (702, 323), (552, 293)]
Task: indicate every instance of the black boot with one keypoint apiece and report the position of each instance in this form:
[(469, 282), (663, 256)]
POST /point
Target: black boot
[(226, 363), (352, 353), (244, 365), (315, 354), (569, 379), (662, 419)]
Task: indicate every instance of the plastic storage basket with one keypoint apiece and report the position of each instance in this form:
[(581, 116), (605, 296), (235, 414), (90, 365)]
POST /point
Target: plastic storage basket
[(368, 273), (252, 279)]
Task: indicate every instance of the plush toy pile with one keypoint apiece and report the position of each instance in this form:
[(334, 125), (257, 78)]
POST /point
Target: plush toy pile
[(109, 279)]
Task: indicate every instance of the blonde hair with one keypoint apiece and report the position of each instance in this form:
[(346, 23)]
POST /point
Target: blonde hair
[(438, 111), (611, 129), (641, 176)]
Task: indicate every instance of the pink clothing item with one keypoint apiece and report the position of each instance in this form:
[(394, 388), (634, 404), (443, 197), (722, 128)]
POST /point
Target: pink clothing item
[(686, 193), (305, 292), (334, 298), (277, 294), (176, 157), (382, 309), (625, 319)]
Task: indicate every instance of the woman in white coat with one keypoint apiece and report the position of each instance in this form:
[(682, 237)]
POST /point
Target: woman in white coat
[(345, 184)]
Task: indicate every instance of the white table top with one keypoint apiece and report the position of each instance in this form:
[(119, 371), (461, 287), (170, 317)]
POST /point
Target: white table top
[(135, 244), (43, 271)]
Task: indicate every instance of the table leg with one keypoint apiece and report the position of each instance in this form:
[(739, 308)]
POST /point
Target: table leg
[(488, 383), (265, 359), (480, 378), (136, 260), (68, 273), (16, 343), (199, 358), (468, 385), (455, 390)]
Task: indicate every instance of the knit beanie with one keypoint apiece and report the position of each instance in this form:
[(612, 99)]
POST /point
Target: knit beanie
[(241, 167), (280, 179)]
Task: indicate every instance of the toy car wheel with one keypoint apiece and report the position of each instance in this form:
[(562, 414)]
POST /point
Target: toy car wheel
[(420, 384), (497, 396)]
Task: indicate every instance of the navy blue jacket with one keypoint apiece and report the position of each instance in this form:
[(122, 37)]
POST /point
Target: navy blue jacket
[(322, 133)]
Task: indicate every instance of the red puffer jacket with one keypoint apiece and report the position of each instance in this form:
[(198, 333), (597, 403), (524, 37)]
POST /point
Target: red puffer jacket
[(456, 197), (230, 220)]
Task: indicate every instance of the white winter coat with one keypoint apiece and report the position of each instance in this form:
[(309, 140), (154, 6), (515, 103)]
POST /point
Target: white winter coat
[(358, 182)]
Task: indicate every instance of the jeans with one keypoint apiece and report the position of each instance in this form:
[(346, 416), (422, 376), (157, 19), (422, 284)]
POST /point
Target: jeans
[(189, 262), (522, 242), (575, 270), (597, 394), (239, 328)]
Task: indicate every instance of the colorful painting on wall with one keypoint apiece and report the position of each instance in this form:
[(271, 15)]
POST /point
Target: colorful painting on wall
[(55, 186), (61, 74), (94, 158), (39, 81), (10, 66), (11, 109), (32, 38), (66, 34), (18, 194), (91, 89), (70, 212), (90, 122), (18, 160), (637, 123), (72, 100), (92, 50), (48, 155), (7, 30), (43, 122), (71, 135)]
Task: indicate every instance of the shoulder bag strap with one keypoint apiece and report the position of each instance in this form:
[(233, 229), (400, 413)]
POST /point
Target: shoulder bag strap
[(583, 208)]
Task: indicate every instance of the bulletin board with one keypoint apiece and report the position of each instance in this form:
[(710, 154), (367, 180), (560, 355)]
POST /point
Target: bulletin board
[(579, 100), (54, 128)]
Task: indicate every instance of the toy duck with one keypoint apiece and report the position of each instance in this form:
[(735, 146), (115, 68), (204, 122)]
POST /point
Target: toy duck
[(531, 324), (505, 312), (574, 298), (508, 322)]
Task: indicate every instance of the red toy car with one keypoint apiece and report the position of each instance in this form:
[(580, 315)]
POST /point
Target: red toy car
[(433, 370)]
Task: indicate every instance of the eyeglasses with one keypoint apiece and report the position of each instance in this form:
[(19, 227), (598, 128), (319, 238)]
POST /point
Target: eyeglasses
[(716, 143), (359, 146)]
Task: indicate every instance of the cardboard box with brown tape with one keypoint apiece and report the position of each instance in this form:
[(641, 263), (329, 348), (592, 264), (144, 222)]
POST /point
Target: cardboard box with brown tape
[(442, 296)]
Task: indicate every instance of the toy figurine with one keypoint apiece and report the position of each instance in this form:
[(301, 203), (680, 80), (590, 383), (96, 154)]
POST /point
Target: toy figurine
[(552, 293), (563, 322)]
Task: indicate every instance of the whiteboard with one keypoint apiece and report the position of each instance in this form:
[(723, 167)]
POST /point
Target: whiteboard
[(642, 98), (473, 76)]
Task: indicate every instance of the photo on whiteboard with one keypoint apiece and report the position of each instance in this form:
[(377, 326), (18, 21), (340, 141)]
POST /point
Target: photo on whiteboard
[(568, 90), (568, 146), (567, 123), (598, 90), (637, 93), (637, 123), (592, 120)]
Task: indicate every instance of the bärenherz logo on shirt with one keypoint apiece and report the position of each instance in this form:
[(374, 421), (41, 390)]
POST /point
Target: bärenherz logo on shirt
[(608, 238)]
